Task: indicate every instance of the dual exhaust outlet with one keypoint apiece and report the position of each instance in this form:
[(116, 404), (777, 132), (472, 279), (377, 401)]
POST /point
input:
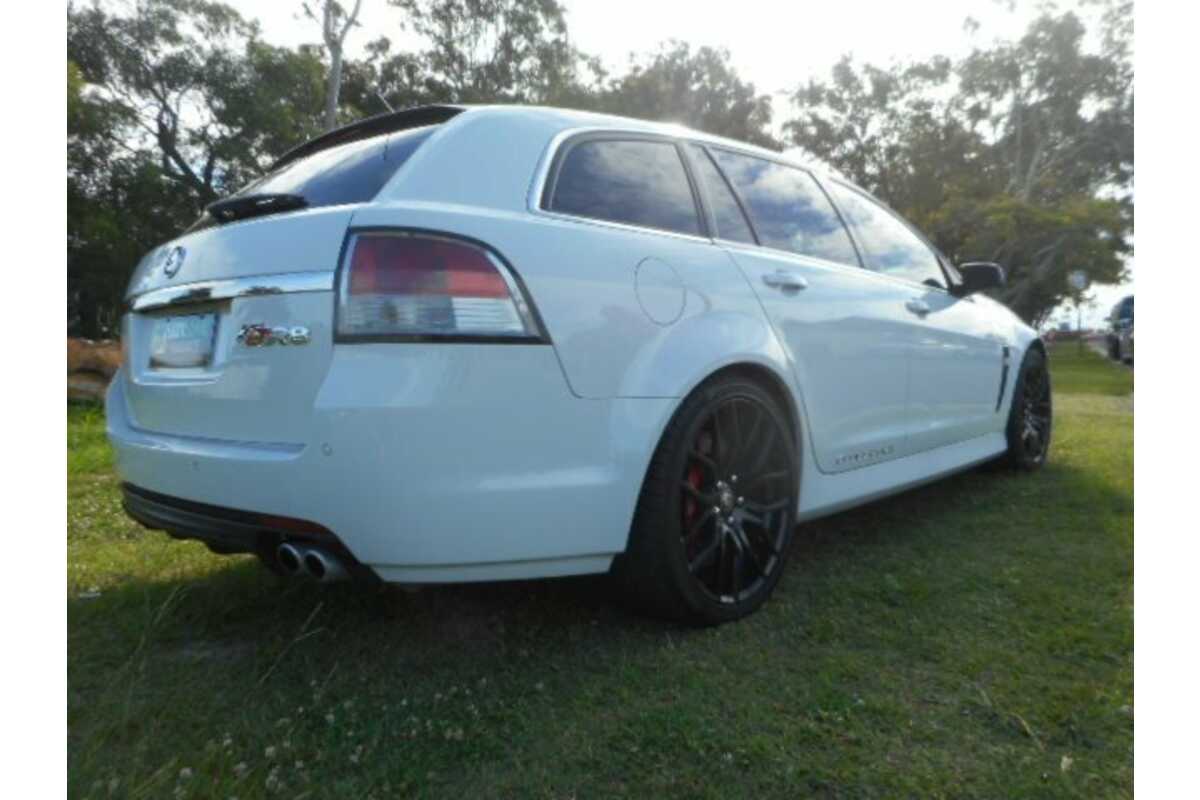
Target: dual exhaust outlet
[(313, 562)]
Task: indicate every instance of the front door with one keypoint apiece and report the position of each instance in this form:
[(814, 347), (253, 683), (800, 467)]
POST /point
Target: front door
[(845, 328), (958, 365), (957, 360)]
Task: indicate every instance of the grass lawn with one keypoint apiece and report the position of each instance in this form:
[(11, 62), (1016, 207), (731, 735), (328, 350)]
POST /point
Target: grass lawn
[(970, 639), (1079, 371)]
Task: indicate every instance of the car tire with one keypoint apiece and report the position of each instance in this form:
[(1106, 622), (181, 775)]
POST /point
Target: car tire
[(1031, 415), (716, 515)]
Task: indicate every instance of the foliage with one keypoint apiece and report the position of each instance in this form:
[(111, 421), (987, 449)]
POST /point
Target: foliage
[(699, 89), (1020, 153), (198, 89), (476, 51), (1039, 243), (117, 206), (171, 104)]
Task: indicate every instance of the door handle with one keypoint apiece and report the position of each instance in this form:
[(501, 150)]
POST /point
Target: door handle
[(785, 281), (918, 307)]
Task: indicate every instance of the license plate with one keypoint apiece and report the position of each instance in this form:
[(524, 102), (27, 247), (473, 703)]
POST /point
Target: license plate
[(182, 341)]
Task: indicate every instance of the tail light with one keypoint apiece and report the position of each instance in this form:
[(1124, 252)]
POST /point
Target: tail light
[(399, 285)]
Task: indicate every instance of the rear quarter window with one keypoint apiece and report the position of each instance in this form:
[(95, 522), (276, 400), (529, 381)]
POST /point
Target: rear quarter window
[(632, 181)]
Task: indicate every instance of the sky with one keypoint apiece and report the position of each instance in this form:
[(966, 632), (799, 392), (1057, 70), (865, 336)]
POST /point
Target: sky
[(774, 51), (775, 45)]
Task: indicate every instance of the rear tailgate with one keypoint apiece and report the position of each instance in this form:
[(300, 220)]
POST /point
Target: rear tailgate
[(187, 373), (230, 334)]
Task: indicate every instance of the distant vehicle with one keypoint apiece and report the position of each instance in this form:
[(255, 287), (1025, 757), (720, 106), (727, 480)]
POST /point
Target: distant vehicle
[(462, 344), (1119, 336)]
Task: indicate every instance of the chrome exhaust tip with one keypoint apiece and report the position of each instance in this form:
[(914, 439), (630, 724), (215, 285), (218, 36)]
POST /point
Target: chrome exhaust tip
[(323, 567), (290, 558)]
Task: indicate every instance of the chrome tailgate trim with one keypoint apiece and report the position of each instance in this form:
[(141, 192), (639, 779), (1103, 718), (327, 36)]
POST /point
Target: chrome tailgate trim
[(206, 291)]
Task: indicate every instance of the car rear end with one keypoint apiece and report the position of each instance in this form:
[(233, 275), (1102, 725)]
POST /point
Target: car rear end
[(350, 393)]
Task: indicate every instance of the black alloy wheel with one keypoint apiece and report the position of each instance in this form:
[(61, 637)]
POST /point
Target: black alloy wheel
[(1031, 419), (717, 511)]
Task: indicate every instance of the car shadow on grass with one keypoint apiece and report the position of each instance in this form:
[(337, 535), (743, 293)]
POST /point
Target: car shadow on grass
[(240, 611)]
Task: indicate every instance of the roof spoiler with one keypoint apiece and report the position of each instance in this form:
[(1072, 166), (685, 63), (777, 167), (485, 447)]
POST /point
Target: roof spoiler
[(390, 122)]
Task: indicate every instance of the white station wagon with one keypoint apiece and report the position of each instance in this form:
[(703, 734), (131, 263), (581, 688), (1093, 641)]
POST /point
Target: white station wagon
[(485, 343)]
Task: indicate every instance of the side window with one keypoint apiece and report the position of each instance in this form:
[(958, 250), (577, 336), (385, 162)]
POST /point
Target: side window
[(788, 208), (887, 243), (636, 181), (731, 222)]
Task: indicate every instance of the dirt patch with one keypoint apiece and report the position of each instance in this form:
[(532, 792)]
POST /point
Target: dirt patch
[(90, 366)]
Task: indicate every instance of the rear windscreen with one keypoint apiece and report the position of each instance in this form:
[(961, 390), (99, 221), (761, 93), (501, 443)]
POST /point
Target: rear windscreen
[(350, 173)]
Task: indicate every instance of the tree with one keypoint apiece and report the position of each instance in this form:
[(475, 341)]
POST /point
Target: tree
[(1059, 117), (886, 129), (170, 104), (118, 205), (335, 25), (478, 51), (197, 88), (1020, 153), (700, 89)]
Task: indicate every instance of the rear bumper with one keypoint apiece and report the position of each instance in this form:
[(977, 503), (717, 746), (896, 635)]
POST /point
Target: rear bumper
[(228, 530), (225, 530), (428, 464)]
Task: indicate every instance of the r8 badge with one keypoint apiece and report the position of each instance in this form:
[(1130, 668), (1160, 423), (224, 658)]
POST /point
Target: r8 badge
[(265, 335)]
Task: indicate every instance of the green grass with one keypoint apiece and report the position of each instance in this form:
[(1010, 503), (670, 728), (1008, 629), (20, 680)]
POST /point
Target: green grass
[(1077, 370), (87, 446), (970, 639)]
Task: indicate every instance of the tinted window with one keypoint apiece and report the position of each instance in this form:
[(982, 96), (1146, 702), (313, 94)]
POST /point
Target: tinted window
[(637, 182), (731, 223), (350, 173), (788, 209), (888, 245)]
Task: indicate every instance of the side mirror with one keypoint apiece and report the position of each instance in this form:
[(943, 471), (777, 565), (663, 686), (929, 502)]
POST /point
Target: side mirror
[(978, 276)]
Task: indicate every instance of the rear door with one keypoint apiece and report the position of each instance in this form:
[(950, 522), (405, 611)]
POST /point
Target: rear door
[(842, 325), (958, 361)]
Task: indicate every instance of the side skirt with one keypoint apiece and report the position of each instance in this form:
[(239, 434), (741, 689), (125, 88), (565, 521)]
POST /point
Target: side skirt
[(500, 571), (821, 494)]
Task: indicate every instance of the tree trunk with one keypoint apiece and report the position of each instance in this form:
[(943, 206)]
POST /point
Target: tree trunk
[(334, 38), (333, 87)]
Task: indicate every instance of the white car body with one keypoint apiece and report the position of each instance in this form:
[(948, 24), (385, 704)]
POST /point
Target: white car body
[(444, 462)]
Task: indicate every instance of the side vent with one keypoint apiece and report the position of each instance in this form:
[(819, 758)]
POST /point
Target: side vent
[(1007, 357)]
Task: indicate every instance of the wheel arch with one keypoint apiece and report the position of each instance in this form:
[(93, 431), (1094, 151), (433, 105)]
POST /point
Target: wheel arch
[(767, 376), (771, 381), (1020, 352)]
